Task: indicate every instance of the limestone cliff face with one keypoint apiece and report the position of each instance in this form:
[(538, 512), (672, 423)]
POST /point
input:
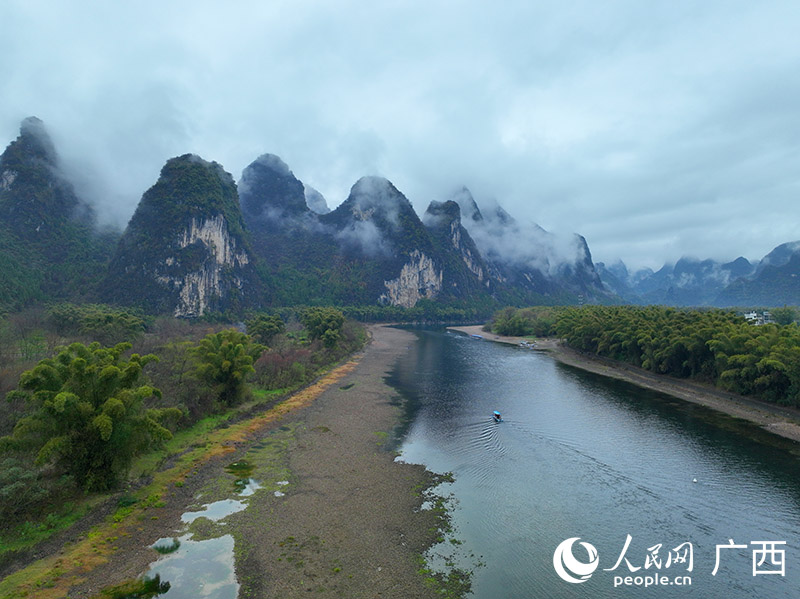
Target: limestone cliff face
[(7, 179), (466, 271), (185, 250), (197, 289), (419, 278), (471, 259)]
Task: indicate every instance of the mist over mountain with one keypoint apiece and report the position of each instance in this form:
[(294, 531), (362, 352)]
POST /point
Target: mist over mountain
[(49, 243), (466, 265), (375, 248), (527, 257), (269, 177), (316, 201), (775, 282), (198, 243), (36, 200), (371, 249), (688, 282), (779, 256), (772, 281)]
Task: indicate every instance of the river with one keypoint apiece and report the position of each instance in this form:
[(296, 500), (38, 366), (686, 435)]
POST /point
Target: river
[(660, 491)]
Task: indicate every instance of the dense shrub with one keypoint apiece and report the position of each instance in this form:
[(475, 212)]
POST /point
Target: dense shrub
[(324, 324), (264, 327), (88, 415), (224, 360), (98, 322)]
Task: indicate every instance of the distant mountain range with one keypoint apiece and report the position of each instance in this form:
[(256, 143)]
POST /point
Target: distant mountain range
[(772, 281), (198, 242)]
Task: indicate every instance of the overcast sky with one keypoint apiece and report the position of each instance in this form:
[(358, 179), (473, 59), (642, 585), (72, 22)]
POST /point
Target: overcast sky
[(655, 129)]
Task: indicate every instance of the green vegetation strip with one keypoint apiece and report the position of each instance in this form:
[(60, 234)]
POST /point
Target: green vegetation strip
[(712, 346)]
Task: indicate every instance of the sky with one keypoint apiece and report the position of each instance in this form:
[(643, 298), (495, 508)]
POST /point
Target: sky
[(655, 129)]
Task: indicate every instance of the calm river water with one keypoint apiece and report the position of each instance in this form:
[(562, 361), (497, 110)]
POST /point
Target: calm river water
[(582, 456)]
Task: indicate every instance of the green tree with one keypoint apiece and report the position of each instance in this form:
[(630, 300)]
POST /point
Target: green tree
[(88, 413), (20, 488), (716, 346), (106, 324), (324, 324), (224, 360), (785, 315), (264, 327)]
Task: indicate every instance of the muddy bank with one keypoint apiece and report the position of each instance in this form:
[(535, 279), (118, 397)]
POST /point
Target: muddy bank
[(781, 421)]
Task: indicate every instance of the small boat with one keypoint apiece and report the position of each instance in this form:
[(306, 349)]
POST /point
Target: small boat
[(496, 416), (475, 336)]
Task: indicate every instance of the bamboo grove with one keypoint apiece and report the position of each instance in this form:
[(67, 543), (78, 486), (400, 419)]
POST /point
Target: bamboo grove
[(714, 346)]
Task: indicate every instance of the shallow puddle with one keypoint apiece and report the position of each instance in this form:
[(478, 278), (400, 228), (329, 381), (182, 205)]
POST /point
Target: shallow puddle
[(205, 568), (166, 545), (247, 487), (215, 511), (199, 569)]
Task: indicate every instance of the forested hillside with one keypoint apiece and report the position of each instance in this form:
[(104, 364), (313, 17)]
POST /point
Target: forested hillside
[(50, 246)]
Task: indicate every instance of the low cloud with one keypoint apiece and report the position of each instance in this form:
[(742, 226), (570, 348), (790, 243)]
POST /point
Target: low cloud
[(655, 130), (503, 239), (365, 237)]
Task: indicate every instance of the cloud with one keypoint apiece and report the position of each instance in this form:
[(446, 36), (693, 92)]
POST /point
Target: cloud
[(365, 237), (504, 240), (655, 130)]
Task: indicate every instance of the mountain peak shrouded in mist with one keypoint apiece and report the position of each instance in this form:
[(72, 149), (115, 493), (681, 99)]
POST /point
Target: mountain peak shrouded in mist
[(375, 197), (268, 189), (775, 281), (48, 242), (779, 255), (619, 269), (185, 250), (36, 199), (34, 135), (689, 282), (528, 257), (315, 200), (741, 267), (460, 254), (469, 209), (377, 219), (442, 214)]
